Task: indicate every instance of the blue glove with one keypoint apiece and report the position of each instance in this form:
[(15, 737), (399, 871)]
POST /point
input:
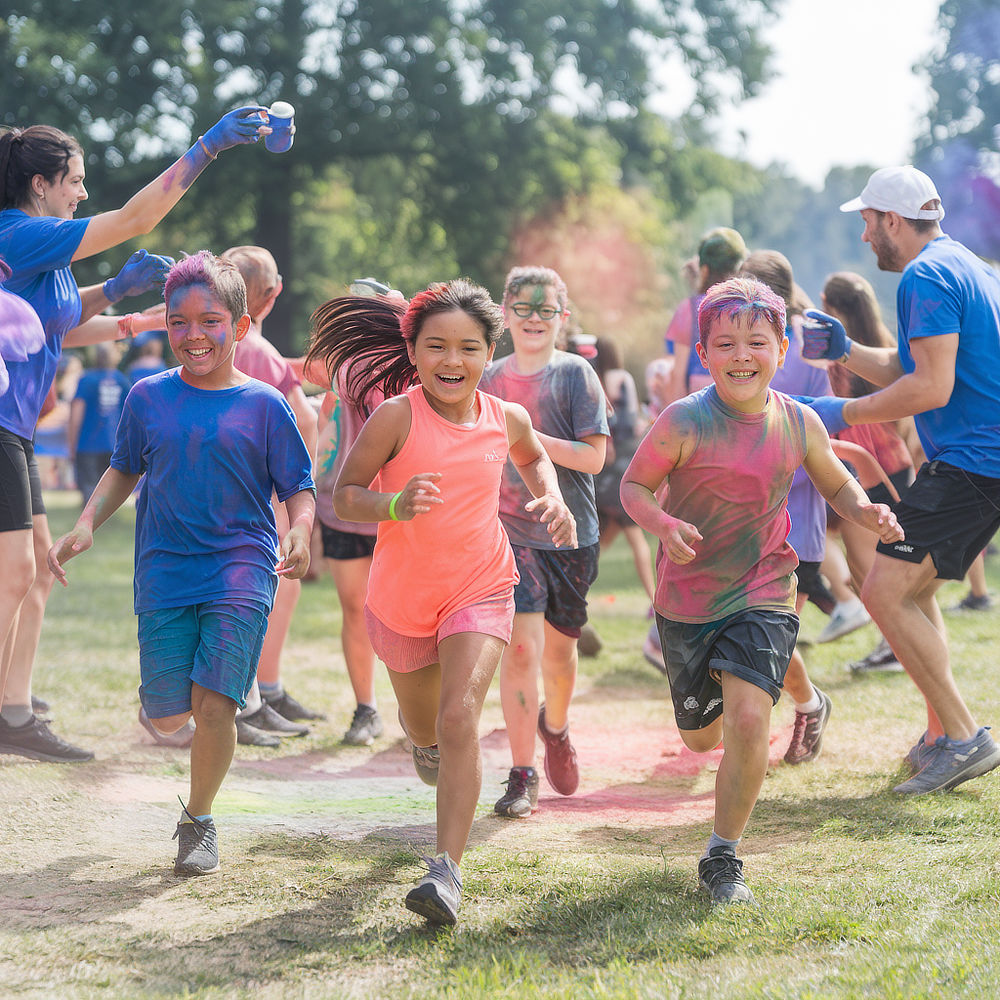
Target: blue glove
[(142, 272), (824, 337), (829, 409), (234, 128)]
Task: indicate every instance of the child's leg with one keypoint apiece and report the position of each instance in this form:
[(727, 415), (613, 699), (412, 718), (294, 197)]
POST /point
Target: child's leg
[(468, 662), (418, 694), (278, 625), (519, 685), (746, 723), (351, 579), (212, 746), (641, 555), (17, 558), (559, 666)]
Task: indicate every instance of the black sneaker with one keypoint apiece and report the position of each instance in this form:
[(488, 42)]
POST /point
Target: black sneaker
[(197, 846), (35, 740), (251, 736), (521, 797), (40, 707), (972, 602), (721, 876), (271, 721), (284, 704), (366, 727), (881, 659)]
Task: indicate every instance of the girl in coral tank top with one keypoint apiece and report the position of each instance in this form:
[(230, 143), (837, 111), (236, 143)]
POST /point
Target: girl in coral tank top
[(427, 467)]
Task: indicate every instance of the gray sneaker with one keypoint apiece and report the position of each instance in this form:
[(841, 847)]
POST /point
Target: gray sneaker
[(846, 618), (197, 846), (36, 741), (919, 754), (950, 762), (426, 760), (366, 727), (880, 660), (270, 720), (439, 893), (721, 876)]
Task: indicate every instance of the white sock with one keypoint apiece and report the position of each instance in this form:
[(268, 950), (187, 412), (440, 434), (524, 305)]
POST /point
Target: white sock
[(253, 701), (812, 705)]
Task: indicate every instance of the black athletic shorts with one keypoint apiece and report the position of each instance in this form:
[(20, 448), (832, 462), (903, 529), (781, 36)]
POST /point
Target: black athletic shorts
[(879, 493), (556, 582), (754, 645), (20, 483), (345, 545), (947, 512)]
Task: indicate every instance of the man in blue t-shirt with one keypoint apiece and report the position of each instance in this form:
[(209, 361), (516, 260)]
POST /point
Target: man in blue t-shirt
[(93, 417), (944, 375)]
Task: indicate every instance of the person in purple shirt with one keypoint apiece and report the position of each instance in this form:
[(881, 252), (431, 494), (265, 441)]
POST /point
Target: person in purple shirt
[(213, 444), (41, 187)]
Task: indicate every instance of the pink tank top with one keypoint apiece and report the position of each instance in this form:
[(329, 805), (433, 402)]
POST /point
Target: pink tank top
[(457, 554), (734, 489)]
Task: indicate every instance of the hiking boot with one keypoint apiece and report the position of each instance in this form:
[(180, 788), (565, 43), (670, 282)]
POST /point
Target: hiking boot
[(35, 740), (560, 758), (721, 876), (652, 651), (197, 846), (181, 738), (284, 704), (439, 893), (973, 603), (426, 760), (919, 754), (807, 732), (271, 721), (366, 727), (880, 659), (846, 618), (589, 643), (521, 797), (251, 736), (950, 762)]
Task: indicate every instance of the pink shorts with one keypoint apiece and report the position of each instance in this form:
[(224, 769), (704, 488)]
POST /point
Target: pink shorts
[(406, 653)]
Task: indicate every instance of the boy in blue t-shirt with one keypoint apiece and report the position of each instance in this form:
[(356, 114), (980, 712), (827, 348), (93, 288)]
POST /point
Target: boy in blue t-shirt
[(213, 444)]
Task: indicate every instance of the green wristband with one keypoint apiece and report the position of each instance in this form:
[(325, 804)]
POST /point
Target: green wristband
[(392, 506)]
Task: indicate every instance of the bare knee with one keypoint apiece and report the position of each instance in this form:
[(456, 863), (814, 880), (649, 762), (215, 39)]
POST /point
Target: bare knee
[(212, 710), (703, 740)]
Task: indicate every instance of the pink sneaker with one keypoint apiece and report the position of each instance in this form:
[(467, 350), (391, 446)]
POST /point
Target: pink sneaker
[(560, 758)]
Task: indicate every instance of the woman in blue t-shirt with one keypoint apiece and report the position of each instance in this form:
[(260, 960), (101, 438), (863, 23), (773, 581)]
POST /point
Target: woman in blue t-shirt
[(41, 187)]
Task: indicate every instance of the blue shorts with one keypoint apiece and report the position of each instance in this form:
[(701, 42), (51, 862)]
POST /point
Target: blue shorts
[(556, 582), (215, 645)]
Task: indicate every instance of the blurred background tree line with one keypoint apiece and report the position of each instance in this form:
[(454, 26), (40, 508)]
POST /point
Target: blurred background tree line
[(439, 138)]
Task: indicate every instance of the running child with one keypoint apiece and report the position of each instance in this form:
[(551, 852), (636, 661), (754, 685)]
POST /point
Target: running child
[(725, 599), (213, 444), (565, 400), (427, 467)]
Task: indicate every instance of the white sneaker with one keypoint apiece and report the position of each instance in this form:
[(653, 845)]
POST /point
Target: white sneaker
[(847, 617)]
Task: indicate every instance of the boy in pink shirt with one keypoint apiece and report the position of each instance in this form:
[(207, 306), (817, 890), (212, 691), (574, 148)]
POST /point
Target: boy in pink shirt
[(725, 597)]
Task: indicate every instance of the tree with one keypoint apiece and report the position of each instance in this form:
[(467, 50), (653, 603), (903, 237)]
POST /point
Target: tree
[(459, 93), (961, 148)]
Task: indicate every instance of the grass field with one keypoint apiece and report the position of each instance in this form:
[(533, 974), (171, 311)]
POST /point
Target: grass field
[(860, 893)]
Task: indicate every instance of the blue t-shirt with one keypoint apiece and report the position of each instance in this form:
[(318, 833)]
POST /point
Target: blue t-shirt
[(946, 289), (38, 251), (103, 392), (204, 523), (564, 400)]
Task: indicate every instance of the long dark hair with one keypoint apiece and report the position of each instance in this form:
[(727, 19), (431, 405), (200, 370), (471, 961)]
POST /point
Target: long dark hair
[(365, 338), (24, 152)]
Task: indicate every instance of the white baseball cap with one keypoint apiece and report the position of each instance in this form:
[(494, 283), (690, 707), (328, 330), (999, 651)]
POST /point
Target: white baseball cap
[(903, 190)]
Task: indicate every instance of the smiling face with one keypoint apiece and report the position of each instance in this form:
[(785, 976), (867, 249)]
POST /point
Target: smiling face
[(535, 316), (450, 355), (60, 198), (742, 360), (203, 337)]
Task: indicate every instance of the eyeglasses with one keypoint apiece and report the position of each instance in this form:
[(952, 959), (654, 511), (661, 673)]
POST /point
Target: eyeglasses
[(525, 309)]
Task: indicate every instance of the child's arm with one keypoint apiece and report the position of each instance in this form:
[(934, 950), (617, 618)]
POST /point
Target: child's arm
[(868, 470), (840, 489), (585, 455), (380, 439), (110, 493), (539, 474), (294, 561), (664, 447)]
